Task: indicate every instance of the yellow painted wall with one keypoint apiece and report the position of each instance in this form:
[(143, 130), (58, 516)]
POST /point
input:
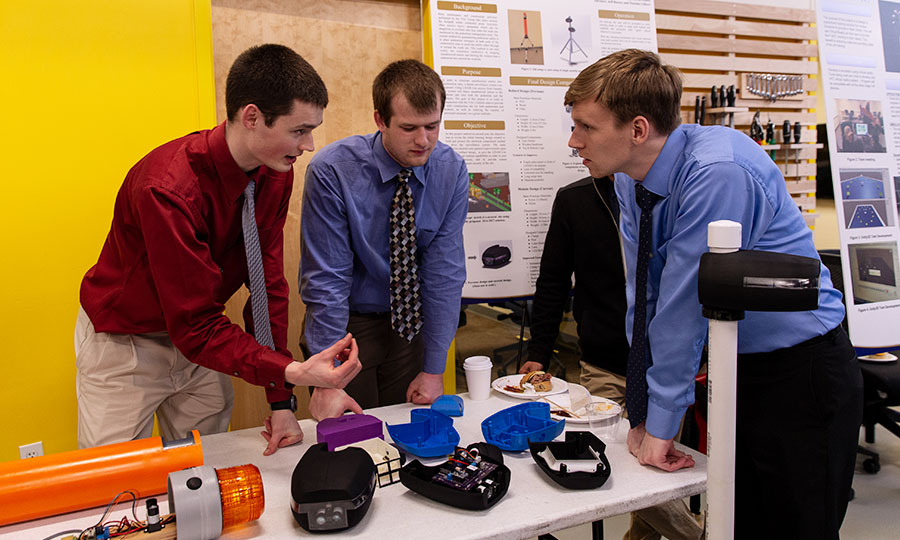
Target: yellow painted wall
[(88, 88)]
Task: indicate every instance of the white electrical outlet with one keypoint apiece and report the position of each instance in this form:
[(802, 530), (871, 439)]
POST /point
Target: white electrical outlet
[(31, 450)]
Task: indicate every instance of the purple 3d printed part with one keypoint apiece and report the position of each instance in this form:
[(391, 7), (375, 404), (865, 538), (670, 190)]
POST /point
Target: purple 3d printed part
[(348, 430)]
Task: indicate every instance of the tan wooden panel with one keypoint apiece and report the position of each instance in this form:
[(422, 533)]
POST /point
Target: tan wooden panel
[(725, 45), (792, 170), (805, 202), (731, 9), (728, 63), (801, 186), (395, 14), (737, 28)]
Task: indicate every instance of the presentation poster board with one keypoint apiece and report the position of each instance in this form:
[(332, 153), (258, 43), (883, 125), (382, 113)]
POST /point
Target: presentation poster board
[(506, 66), (859, 47)]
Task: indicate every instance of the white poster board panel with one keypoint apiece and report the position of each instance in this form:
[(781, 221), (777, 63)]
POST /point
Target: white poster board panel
[(859, 48), (506, 67)]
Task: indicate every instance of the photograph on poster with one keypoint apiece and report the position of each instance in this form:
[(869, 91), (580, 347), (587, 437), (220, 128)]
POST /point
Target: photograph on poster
[(859, 126), (865, 198), (873, 267), (890, 34), (489, 192), (495, 254), (572, 36), (526, 43)]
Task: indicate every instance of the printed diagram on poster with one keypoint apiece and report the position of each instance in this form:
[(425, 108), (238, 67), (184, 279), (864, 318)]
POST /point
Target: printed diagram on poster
[(506, 67), (859, 50)]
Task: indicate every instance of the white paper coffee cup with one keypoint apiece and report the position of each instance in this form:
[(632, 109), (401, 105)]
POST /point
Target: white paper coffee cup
[(478, 377)]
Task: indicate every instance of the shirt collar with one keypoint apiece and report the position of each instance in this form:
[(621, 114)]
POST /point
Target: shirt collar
[(232, 178), (657, 179), (388, 168)]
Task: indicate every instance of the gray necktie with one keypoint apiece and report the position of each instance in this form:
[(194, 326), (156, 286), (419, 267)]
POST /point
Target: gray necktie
[(258, 299), (406, 305)]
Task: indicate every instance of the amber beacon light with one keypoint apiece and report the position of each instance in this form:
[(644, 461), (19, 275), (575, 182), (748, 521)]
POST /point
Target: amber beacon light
[(207, 500)]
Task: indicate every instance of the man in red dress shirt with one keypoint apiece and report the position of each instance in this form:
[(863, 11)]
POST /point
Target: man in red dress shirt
[(152, 336)]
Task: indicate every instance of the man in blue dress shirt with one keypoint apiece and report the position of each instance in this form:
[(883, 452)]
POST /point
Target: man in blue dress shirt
[(799, 395), (345, 265)]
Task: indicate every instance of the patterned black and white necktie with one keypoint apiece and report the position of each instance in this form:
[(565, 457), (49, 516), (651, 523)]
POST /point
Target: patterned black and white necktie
[(636, 372), (406, 305), (259, 301)]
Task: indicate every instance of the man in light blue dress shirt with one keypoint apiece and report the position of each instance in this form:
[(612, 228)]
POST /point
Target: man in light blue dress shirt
[(799, 396), (345, 255)]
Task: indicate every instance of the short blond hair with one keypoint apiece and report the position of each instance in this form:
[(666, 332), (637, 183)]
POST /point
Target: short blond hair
[(632, 83)]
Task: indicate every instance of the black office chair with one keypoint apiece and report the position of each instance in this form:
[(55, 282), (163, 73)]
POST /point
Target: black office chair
[(881, 382)]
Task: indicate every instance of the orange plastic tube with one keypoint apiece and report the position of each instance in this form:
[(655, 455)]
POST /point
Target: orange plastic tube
[(59, 483)]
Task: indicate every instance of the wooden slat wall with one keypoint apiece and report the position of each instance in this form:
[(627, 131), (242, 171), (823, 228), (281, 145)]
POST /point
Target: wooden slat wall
[(714, 42)]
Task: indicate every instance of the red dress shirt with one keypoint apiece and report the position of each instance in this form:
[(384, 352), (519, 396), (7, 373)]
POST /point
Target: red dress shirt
[(175, 254)]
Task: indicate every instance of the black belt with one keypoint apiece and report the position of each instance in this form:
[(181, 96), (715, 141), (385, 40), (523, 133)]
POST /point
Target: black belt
[(371, 314), (827, 336)]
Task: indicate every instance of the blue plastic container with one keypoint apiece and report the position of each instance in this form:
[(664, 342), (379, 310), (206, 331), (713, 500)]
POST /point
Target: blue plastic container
[(451, 405), (428, 434), (511, 429)]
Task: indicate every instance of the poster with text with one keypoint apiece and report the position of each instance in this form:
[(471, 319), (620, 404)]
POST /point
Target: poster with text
[(859, 49), (506, 67)]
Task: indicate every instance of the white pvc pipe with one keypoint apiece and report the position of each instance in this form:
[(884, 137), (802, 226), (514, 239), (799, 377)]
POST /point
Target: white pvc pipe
[(723, 237)]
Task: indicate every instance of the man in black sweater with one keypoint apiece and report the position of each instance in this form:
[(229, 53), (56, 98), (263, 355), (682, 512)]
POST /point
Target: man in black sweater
[(583, 238)]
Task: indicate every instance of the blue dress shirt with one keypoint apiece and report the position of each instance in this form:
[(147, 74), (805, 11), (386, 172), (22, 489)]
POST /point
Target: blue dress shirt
[(344, 253), (705, 174)]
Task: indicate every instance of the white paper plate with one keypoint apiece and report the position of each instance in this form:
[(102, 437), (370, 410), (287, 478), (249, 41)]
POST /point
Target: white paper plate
[(614, 409), (499, 384), (880, 357)]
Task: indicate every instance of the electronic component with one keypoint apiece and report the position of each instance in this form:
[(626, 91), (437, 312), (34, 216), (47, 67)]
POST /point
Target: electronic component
[(153, 522), (512, 428), (579, 462), (348, 429), (207, 500), (474, 478), (332, 491)]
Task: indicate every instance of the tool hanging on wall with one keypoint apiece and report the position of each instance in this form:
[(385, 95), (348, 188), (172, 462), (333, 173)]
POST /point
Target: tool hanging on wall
[(713, 98), (756, 129), (697, 110), (773, 87), (786, 132), (797, 131), (770, 137), (703, 110)]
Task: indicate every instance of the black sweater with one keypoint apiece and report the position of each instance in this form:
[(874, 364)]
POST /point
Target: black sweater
[(583, 238)]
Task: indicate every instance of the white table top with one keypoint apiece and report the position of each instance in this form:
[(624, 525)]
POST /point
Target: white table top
[(534, 504)]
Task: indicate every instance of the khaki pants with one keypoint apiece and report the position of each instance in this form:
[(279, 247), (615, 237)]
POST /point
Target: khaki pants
[(123, 379), (671, 519)]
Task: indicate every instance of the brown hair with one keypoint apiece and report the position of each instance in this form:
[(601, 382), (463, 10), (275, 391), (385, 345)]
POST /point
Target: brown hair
[(418, 82), (272, 77), (632, 83)]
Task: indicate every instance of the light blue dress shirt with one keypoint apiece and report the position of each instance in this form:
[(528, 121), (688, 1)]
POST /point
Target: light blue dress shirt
[(345, 234), (705, 174)]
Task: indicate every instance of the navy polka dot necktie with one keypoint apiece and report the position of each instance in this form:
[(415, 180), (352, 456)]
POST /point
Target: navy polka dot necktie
[(406, 305), (636, 382)]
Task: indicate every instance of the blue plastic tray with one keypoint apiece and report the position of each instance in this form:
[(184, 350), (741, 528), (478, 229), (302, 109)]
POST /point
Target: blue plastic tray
[(428, 434), (511, 429), (450, 405)]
